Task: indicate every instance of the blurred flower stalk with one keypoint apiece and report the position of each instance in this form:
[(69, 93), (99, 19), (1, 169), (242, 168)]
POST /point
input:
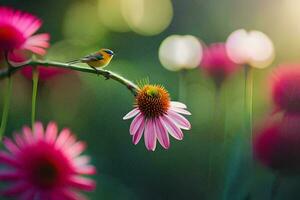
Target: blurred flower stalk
[(180, 53), (252, 49)]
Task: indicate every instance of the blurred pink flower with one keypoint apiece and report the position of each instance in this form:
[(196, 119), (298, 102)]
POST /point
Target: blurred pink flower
[(45, 73), (285, 88), (17, 29), (156, 116), (216, 63), (277, 145), (45, 165)]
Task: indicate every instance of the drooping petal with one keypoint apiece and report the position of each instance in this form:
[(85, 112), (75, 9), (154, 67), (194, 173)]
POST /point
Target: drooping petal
[(82, 183), (136, 123), (162, 134), (132, 113), (180, 110), (178, 104), (138, 135), (172, 128), (181, 121), (150, 135)]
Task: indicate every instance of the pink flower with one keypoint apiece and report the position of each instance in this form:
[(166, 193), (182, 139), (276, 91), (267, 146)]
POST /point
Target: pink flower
[(277, 145), (285, 88), (17, 29), (156, 116), (216, 63), (45, 165), (18, 57)]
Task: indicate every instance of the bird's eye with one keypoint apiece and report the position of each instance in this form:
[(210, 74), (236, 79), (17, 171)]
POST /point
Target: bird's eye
[(110, 52)]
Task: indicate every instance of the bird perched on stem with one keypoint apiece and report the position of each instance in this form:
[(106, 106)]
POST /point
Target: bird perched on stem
[(99, 59)]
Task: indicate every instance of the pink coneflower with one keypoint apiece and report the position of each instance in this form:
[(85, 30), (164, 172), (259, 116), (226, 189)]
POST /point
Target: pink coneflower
[(216, 63), (285, 88), (45, 165), (277, 145), (156, 116), (17, 29)]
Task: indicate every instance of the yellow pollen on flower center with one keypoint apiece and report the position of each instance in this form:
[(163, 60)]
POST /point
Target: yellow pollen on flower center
[(153, 101)]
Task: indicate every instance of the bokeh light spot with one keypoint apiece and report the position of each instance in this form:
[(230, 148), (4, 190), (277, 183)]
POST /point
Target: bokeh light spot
[(147, 17)]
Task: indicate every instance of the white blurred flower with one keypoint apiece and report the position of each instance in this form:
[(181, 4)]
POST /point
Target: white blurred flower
[(178, 52), (253, 48)]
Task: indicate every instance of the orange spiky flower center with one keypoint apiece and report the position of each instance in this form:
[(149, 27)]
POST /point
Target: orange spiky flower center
[(153, 100)]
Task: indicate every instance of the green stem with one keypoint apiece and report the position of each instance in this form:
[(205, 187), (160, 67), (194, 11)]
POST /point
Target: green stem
[(35, 80), (105, 73), (182, 85), (249, 100), (7, 98)]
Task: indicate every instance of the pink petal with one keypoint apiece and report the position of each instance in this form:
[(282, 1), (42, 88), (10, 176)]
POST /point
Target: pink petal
[(7, 159), (136, 123), (27, 135), (172, 128), (36, 50), (51, 132), (132, 113), (86, 170), (76, 149), (178, 104), (181, 121), (150, 135), (180, 110), (39, 40), (39, 130), (62, 138), (71, 195), (82, 160), (162, 134), (34, 26), (10, 145), (138, 135), (82, 183), (8, 174)]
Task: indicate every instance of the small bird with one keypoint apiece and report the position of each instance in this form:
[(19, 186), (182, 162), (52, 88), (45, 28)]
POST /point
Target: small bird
[(99, 59)]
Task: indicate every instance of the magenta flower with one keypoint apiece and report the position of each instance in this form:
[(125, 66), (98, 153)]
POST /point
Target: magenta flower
[(285, 88), (277, 145), (45, 165), (217, 64), (17, 29), (156, 116)]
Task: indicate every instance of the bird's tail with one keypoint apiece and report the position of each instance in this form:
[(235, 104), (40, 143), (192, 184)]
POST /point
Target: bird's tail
[(74, 61)]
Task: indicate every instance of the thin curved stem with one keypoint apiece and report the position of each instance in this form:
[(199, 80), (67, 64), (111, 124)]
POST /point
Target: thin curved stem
[(35, 80), (105, 73)]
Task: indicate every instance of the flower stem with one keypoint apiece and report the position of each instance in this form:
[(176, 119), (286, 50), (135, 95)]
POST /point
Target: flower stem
[(248, 100), (182, 85), (7, 98), (35, 80), (105, 73)]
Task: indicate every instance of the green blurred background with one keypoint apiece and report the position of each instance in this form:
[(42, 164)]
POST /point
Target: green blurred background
[(93, 108)]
